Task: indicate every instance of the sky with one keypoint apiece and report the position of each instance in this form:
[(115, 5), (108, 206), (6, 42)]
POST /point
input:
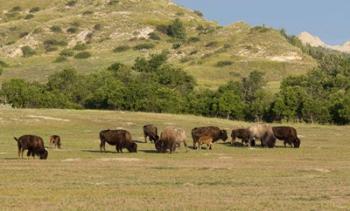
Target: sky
[(328, 19)]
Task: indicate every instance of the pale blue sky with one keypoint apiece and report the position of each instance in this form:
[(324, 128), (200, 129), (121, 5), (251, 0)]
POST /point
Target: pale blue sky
[(328, 19)]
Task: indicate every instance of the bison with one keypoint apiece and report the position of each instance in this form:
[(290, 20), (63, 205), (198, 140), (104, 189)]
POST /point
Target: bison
[(208, 140), (34, 145), (119, 138), (56, 141), (151, 132), (242, 134), (288, 135), (264, 133), (170, 138), (214, 132)]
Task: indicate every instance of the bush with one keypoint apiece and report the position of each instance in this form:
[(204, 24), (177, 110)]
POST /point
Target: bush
[(51, 48), (177, 29), (212, 44), (29, 16), (154, 36), (16, 9), (121, 48), (113, 2), (72, 30), (224, 63), (144, 46), (3, 64), (51, 44), (193, 39), (23, 34), (88, 12), (98, 27), (177, 45), (27, 51), (71, 3), (80, 47), (199, 13), (55, 29), (67, 52), (60, 59), (83, 55), (34, 9)]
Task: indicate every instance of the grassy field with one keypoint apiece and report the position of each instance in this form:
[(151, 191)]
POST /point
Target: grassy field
[(79, 177)]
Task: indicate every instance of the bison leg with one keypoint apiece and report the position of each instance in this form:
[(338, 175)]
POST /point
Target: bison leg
[(185, 144), (102, 146), (145, 136)]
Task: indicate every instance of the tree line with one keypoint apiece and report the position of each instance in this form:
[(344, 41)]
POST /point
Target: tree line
[(154, 85)]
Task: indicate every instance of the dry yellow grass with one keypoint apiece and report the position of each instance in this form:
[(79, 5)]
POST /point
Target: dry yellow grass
[(79, 177)]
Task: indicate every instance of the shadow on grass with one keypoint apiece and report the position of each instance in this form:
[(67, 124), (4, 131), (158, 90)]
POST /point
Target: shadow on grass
[(151, 151), (13, 159), (97, 151)]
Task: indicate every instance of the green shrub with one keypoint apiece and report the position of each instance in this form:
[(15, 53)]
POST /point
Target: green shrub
[(72, 30), (113, 2), (51, 48), (55, 29), (98, 27), (261, 29), (67, 52), (199, 13), (224, 63), (88, 12), (16, 9), (193, 39), (121, 48), (23, 34), (29, 16), (154, 36), (60, 59), (212, 44), (83, 55), (1, 70), (3, 64), (180, 14), (34, 9), (144, 46), (177, 29), (27, 51), (71, 3), (177, 45), (80, 47), (53, 42)]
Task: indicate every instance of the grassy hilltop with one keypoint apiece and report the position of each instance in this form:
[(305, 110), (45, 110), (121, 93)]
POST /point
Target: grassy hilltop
[(314, 177), (35, 34)]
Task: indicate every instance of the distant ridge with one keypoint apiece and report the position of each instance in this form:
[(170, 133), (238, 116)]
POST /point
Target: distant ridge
[(315, 41)]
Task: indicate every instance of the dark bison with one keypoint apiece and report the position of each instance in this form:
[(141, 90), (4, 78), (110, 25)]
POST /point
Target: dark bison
[(170, 138), (34, 145), (151, 132), (119, 138), (264, 133), (242, 134), (56, 141), (288, 135), (214, 132)]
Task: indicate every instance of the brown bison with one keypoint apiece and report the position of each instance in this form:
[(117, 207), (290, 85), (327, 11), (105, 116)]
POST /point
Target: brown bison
[(214, 132), (288, 135), (34, 145), (264, 133), (170, 138), (208, 140), (242, 134), (151, 132), (119, 138), (56, 141)]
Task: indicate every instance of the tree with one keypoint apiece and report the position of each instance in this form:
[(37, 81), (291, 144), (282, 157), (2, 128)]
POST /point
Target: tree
[(230, 106)]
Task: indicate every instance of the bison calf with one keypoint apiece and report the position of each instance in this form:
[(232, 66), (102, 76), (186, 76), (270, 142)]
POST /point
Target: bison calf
[(56, 141), (34, 145), (119, 138), (288, 135), (151, 132), (214, 132), (205, 140)]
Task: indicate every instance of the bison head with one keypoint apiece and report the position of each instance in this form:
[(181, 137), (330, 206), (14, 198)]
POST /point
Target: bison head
[(223, 135), (132, 147), (43, 154), (158, 145), (297, 143)]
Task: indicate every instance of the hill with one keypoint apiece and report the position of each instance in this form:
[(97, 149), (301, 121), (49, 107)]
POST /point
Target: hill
[(227, 178), (40, 37), (315, 41)]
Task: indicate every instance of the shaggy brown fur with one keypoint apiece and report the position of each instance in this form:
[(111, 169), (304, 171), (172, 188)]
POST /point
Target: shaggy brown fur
[(242, 134), (151, 132), (170, 138), (56, 141), (288, 135), (208, 140), (264, 133), (214, 132), (120, 138), (34, 145)]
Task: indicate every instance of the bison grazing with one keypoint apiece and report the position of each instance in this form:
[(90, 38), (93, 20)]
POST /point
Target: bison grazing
[(288, 135), (208, 140), (242, 134), (56, 141), (34, 145), (151, 132), (214, 132), (170, 138), (120, 138), (264, 133)]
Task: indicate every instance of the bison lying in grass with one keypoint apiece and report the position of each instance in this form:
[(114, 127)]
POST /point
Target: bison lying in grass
[(214, 132), (288, 135), (34, 145), (119, 138)]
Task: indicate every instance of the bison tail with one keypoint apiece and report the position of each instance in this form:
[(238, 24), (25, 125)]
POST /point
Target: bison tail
[(15, 139)]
